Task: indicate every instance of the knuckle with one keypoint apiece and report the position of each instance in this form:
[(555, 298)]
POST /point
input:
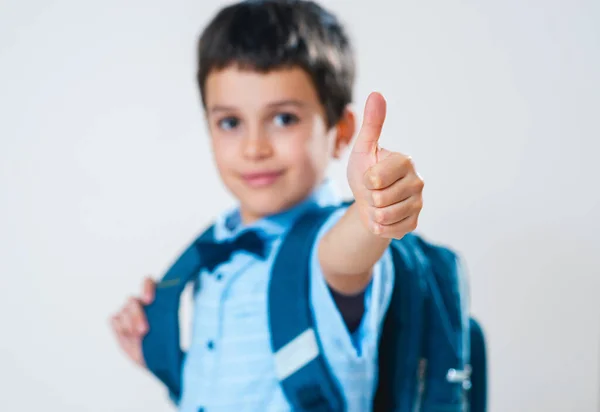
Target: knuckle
[(376, 229), (420, 184), (134, 304), (377, 199), (124, 318), (376, 180), (414, 222), (419, 205), (379, 216)]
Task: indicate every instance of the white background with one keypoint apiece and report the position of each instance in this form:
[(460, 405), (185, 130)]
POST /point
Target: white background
[(105, 174)]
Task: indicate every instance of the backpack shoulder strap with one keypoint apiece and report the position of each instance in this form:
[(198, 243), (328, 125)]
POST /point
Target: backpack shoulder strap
[(161, 347), (301, 368), (401, 341), (447, 335)]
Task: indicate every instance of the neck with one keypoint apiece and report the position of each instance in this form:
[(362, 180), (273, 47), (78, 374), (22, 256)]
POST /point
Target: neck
[(247, 217)]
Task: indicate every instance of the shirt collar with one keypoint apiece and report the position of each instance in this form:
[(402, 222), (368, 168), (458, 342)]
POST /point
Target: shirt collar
[(229, 224)]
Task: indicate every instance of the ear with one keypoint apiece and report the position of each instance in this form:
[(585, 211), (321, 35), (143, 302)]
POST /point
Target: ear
[(344, 131)]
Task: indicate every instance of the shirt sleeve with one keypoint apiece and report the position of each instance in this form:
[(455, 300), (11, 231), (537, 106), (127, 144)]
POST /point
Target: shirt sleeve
[(330, 325)]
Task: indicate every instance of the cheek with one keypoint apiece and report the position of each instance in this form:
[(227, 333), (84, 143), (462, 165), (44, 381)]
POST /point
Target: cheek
[(223, 153), (319, 149), (296, 151), (307, 156)]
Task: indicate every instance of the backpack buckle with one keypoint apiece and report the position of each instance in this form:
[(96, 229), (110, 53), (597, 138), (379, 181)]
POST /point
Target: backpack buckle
[(460, 376)]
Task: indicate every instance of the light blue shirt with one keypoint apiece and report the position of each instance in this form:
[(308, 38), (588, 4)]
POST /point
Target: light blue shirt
[(230, 366)]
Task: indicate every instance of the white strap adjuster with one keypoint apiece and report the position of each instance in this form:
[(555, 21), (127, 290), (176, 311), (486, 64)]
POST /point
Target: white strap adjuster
[(460, 376)]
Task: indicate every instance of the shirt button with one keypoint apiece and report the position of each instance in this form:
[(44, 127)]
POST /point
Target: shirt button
[(201, 409), (210, 345), (219, 276)]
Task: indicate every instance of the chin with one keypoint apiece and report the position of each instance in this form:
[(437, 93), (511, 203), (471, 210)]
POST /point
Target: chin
[(258, 202), (264, 204), (268, 203)]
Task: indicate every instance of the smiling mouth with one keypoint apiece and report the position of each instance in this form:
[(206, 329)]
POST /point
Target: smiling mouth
[(261, 179)]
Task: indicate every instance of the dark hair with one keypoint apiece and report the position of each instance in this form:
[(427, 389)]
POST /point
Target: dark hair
[(263, 35)]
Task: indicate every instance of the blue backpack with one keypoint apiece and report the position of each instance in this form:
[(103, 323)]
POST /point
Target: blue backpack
[(431, 354)]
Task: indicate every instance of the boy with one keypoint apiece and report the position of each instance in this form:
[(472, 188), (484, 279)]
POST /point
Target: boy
[(276, 81)]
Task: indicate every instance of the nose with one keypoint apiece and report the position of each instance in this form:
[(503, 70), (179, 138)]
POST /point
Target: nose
[(257, 146)]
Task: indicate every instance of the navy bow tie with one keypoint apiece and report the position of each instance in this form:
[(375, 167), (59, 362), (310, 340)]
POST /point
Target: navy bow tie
[(215, 253)]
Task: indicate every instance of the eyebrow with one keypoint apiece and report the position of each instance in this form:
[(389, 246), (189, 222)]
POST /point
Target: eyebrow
[(278, 103), (289, 102)]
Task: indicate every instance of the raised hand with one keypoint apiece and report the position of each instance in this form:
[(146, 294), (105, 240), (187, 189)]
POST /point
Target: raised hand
[(386, 187)]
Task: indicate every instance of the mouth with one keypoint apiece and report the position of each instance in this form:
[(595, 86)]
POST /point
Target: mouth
[(261, 179)]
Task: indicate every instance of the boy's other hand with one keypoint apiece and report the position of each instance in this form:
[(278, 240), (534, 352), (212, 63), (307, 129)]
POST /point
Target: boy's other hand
[(386, 187), (130, 325)]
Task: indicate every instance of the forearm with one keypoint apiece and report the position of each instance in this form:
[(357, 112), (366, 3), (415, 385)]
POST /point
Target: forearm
[(348, 252)]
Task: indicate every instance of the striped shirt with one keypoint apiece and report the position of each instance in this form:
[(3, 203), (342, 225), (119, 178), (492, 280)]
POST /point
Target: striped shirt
[(229, 365)]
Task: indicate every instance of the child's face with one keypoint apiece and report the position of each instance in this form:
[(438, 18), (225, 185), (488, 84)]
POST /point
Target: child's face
[(270, 138)]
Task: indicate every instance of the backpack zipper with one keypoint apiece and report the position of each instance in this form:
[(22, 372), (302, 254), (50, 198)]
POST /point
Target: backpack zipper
[(420, 384)]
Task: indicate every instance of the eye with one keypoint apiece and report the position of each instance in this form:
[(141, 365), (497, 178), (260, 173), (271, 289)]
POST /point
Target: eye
[(285, 119), (228, 123)]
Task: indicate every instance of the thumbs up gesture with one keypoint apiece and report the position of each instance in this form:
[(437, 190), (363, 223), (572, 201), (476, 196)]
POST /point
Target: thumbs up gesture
[(387, 189)]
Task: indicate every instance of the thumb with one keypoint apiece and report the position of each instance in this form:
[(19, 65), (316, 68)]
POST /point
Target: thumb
[(374, 116), (148, 289)]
